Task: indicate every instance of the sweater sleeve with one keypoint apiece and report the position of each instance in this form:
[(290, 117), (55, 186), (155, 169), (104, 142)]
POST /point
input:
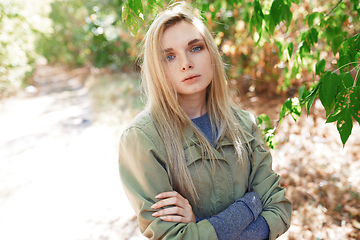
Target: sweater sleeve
[(256, 230), (235, 221), (143, 175)]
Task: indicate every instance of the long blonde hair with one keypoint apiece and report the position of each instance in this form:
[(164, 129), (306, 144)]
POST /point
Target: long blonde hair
[(170, 119)]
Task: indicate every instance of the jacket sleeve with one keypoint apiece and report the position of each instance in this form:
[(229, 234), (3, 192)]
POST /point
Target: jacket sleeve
[(265, 182), (143, 174)]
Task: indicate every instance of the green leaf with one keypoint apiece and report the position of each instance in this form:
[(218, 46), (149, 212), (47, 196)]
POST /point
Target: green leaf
[(258, 9), (309, 38), (287, 15), (152, 7), (320, 67), (355, 59), (301, 92), (333, 117), (354, 48), (312, 95), (310, 102), (331, 89), (270, 24), (160, 3), (268, 132), (312, 17), (295, 110), (292, 106), (270, 139), (354, 43), (285, 109), (276, 11), (125, 12), (281, 47), (343, 62), (346, 106), (333, 28), (344, 125), (344, 57), (290, 49), (346, 81), (313, 36), (257, 18), (265, 119), (279, 11), (336, 44), (339, 106), (355, 103), (344, 48), (138, 8), (322, 91), (305, 48), (357, 47), (132, 13), (132, 24)]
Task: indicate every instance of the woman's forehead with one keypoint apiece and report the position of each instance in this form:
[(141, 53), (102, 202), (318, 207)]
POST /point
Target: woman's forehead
[(180, 34)]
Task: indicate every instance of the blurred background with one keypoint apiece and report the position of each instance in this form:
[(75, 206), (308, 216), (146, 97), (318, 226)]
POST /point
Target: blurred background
[(70, 83)]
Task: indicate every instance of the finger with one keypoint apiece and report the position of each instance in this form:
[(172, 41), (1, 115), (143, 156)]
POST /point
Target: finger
[(168, 195), (171, 211), (168, 202), (178, 219)]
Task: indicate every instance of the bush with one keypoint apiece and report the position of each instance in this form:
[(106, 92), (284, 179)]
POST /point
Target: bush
[(21, 21), (88, 33)]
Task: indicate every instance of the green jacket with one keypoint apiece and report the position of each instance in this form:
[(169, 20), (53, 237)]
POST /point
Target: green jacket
[(144, 173)]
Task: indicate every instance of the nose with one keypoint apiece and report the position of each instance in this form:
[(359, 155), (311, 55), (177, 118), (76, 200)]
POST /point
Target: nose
[(186, 64)]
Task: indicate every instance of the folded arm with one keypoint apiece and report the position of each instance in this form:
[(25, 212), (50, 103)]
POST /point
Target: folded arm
[(143, 175)]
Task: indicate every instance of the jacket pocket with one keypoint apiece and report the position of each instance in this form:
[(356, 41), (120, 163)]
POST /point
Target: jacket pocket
[(192, 154)]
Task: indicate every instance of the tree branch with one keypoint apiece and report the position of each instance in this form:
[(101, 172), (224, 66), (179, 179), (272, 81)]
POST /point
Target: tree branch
[(333, 8), (356, 76)]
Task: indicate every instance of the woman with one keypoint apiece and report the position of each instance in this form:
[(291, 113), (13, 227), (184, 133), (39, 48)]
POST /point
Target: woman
[(193, 165)]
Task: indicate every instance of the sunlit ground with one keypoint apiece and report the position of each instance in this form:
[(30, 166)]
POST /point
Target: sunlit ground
[(59, 174), (58, 169)]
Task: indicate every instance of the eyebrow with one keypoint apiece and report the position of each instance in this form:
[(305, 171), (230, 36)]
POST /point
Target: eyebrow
[(189, 43), (195, 41)]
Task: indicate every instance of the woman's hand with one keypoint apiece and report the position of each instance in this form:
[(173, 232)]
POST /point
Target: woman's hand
[(180, 212)]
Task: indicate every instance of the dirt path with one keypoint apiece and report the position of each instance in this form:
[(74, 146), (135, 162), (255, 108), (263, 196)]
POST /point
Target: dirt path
[(58, 167)]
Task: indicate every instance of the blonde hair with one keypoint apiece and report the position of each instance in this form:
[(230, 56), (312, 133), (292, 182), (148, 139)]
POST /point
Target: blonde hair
[(170, 119)]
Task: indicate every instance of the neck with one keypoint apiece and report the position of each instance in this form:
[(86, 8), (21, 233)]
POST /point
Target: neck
[(194, 105)]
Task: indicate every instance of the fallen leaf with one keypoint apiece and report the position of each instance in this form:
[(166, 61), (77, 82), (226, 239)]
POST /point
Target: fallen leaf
[(356, 224)]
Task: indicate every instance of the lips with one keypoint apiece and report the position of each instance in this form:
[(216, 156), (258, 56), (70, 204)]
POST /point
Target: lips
[(191, 77)]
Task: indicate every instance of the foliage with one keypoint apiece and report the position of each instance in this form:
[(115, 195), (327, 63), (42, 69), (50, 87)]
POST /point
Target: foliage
[(305, 38), (20, 23), (272, 47), (88, 33)]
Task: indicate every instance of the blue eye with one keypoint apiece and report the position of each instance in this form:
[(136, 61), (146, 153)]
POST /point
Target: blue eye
[(170, 57), (196, 49)]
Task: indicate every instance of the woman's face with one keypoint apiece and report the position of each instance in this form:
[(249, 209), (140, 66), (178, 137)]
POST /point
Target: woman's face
[(187, 62)]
